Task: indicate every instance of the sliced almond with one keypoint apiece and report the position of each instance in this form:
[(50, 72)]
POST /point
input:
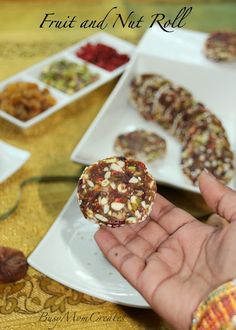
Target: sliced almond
[(104, 201), (101, 217), (143, 204), (115, 167), (121, 163), (122, 187), (106, 208), (133, 180), (137, 213), (90, 183), (107, 175), (116, 206), (113, 185)]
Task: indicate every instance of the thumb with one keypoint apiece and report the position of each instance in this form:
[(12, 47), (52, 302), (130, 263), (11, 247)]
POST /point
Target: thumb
[(220, 198)]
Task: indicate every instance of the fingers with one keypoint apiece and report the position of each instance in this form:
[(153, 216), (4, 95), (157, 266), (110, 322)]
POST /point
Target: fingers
[(128, 264), (147, 231), (168, 216), (220, 198)]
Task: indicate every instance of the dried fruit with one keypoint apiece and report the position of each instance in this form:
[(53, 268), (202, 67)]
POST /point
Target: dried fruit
[(102, 55), (13, 265), (25, 100)]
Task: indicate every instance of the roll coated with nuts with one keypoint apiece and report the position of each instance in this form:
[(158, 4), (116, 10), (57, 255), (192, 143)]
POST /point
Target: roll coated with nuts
[(202, 135), (116, 191)]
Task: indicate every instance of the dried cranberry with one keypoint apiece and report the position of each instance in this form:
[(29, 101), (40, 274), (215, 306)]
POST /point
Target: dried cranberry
[(102, 55)]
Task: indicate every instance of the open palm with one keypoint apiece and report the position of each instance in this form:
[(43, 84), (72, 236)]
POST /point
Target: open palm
[(172, 259)]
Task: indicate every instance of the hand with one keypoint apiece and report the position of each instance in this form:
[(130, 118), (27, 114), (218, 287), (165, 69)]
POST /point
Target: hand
[(172, 259)]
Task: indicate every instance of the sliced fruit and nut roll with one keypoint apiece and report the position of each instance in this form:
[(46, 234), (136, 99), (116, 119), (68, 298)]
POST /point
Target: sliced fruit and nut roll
[(193, 119), (142, 91), (140, 144), (168, 102), (209, 152), (116, 191), (221, 46)]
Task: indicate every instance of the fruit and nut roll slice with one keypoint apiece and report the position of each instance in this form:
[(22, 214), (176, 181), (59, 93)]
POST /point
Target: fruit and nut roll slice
[(116, 191)]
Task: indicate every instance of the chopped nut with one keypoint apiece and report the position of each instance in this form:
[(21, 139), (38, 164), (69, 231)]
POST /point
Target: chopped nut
[(89, 213), (143, 204), (106, 209), (133, 180), (105, 183), (107, 175), (110, 160), (113, 185), (116, 167), (129, 206), (137, 213), (131, 220), (90, 183), (117, 206), (101, 217), (139, 193), (104, 201), (121, 163), (122, 188)]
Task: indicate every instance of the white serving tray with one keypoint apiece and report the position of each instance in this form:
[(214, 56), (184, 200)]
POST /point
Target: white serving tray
[(69, 254), (182, 44), (11, 159), (213, 86), (32, 75)]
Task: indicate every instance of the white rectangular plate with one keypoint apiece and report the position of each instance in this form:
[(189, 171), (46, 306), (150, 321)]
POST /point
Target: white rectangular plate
[(69, 254), (182, 44), (32, 75), (11, 159), (213, 86)]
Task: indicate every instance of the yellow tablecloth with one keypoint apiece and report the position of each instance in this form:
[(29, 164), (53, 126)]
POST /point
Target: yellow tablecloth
[(38, 302)]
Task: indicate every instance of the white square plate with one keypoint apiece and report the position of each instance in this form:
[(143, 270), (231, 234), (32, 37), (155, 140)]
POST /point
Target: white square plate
[(69, 254), (212, 86), (11, 159)]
